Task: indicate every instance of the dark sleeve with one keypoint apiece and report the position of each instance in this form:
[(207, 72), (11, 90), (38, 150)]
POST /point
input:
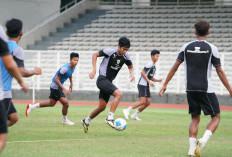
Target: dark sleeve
[(146, 69), (128, 59), (62, 72), (18, 55), (19, 62), (180, 57), (215, 60), (3, 48)]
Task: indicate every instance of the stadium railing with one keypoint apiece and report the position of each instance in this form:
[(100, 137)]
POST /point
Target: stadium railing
[(51, 61)]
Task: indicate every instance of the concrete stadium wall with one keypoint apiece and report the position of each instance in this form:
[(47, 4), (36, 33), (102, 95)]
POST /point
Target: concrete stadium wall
[(57, 22), (30, 12), (169, 98)]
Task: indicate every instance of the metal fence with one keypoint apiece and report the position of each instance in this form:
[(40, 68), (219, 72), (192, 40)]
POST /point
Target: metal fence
[(51, 61)]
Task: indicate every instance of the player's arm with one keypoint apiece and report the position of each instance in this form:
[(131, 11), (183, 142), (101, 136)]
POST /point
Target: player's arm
[(223, 78), (12, 68), (94, 62), (28, 73), (143, 73), (155, 80), (71, 83), (131, 70), (57, 80), (169, 77)]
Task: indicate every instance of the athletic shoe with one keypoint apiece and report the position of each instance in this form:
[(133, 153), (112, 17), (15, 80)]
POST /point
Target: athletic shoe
[(200, 146), (135, 117), (126, 113), (85, 126), (110, 123), (67, 122), (28, 110)]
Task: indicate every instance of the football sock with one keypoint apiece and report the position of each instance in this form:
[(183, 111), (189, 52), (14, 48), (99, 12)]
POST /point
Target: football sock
[(64, 117), (206, 136), (87, 120), (110, 116), (192, 143), (35, 106), (129, 109), (136, 113)]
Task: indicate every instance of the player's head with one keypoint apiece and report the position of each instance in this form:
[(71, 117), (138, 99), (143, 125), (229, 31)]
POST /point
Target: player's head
[(123, 45), (155, 55), (202, 27), (74, 58), (14, 28)]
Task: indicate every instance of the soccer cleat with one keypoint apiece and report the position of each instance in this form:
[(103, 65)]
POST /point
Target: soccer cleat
[(126, 113), (85, 126), (110, 123), (67, 122), (200, 146), (28, 110), (135, 117)]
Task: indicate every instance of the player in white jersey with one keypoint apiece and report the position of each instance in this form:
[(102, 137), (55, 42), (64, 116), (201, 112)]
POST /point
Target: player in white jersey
[(143, 86), (199, 56), (12, 68)]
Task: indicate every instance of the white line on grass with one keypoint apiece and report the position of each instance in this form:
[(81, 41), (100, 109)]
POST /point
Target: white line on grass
[(57, 140)]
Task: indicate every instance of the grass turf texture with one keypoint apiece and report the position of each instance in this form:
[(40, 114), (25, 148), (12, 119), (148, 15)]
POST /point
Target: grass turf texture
[(161, 133)]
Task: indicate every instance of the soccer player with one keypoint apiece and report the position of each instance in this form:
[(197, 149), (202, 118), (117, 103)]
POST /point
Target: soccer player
[(11, 66), (14, 33), (143, 86), (199, 56), (57, 89), (109, 68)]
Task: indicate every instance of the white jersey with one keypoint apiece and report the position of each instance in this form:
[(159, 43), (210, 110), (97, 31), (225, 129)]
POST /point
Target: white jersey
[(150, 69)]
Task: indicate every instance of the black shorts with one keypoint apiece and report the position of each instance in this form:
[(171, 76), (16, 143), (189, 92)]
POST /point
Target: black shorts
[(56, 94), (9, 106), (207, 102), (106, 87), (144, 91), (3, 118)]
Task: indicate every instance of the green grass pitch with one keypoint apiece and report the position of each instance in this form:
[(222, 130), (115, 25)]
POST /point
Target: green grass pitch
[(161, 133)]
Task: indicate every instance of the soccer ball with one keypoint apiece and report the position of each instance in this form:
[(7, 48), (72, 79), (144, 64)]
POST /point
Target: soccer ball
[(120, 124)]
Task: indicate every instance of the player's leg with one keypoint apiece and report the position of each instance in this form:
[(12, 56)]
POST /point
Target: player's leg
[(195, 111), (10, 112), (126, 112), (140, 109), (210, 107), (31, 107), (101, 107), (3, 125), (65, 104)]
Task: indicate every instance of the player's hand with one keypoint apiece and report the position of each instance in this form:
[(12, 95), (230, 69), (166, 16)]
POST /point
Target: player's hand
[(70, 88), (132, 77), (162, 90), (67, 92), (151, 84), (92, 74), (24, 86), (38, 71)]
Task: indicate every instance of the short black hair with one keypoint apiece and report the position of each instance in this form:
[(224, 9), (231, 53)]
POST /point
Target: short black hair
[(14, 27), (124, 42), (202, 27), (73, 54), (154, 52)]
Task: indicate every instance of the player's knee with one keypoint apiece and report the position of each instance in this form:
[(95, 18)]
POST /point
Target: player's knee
[(143, 102), (119, 94), (102, 108), (14, 119), (217, 117), (148, 103)]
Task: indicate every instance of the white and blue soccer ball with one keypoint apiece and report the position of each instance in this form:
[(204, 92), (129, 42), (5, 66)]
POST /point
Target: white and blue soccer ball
[(120, 124)]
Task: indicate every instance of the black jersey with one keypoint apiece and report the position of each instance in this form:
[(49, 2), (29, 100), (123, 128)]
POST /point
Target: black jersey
[(199, 56), (112, 63)]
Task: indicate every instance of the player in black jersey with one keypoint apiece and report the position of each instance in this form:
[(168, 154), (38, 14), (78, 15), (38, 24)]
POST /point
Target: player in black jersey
[(143, 86), (109, 68), (199, 56)]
